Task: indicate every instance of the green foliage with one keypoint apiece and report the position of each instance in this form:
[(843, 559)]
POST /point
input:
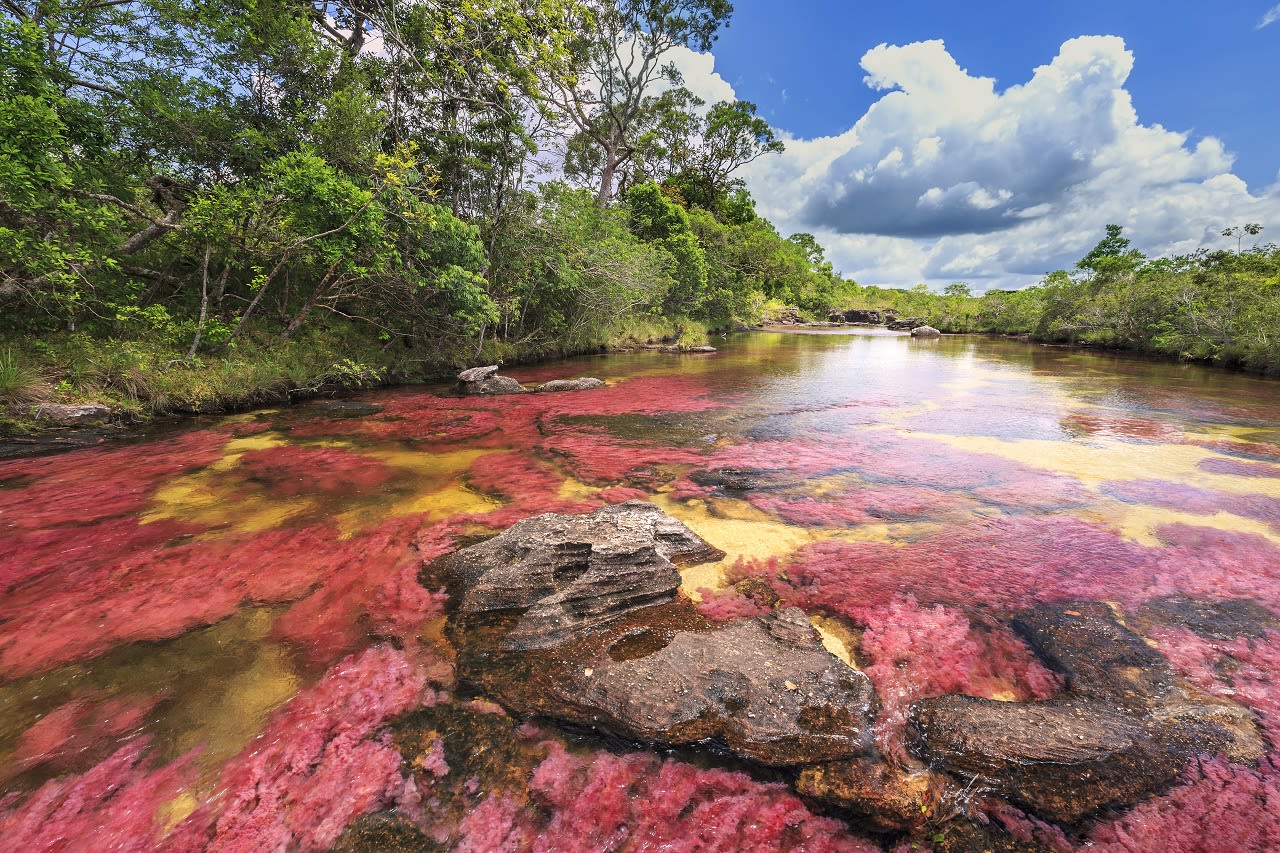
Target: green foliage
[(565, 271)]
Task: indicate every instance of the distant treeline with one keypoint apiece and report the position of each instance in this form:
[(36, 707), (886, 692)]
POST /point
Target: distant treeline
[(1219, 307)]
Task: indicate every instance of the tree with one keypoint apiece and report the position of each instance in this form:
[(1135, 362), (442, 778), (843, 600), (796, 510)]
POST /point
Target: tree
[(1110, 259), (656, 219), (620, 54), (957, 288), (1253, 229)]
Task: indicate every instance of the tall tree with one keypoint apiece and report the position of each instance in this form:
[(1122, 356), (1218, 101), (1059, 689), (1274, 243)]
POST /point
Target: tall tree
[(622, 58)]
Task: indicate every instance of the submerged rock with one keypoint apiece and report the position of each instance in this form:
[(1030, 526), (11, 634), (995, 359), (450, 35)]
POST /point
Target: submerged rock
[(582, 383), (1213, 620), (1060, 760), (485, 380), (1125, 726), (577, 618), (727, 479)]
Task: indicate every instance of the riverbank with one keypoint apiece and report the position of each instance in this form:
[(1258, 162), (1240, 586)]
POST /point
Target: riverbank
[(72, 390)]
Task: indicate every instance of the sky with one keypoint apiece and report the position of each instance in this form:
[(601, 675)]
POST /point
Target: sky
[(992, 142)]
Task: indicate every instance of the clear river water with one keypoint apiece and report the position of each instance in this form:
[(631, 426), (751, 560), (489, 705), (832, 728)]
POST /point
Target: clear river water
[(211, 638)]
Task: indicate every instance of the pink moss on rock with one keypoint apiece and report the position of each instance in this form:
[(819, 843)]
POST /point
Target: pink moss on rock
[(637, 802), (913, 652), (1244, 669), (723, 605)]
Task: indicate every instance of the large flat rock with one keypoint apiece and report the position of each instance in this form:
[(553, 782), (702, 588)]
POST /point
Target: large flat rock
[(1060, 760), (1124, 728), (578, 618), (571, 574)]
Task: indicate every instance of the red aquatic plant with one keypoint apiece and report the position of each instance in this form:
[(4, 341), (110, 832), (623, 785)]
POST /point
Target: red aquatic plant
[(110, 807), (860, 505), (1239, 467), (76, 733), (915, 652), (1222, 808), (637, 802), (319, 764), (290, 471), (1193, 499), (159, 593), (84, 486), (1128, 428)]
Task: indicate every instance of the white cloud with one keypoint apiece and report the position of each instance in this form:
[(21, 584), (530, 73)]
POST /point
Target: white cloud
[(700, 77), (946, 177), (1272, 15)]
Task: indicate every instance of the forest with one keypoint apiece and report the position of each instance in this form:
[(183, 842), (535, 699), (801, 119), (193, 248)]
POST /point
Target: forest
[(211, 203)]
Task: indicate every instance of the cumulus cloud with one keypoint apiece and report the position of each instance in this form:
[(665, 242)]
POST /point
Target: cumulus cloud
[(946, 177), (1272, 15), (700, 76)]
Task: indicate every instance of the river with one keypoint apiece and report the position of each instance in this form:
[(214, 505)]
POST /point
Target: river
[(209, 639)]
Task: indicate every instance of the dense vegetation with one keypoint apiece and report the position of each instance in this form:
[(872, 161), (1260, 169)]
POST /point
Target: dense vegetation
[(200, 201), (213, 202), (1219, 307)]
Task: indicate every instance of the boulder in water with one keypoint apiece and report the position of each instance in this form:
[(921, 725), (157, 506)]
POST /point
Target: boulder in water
[(582, 383), (1125, 726), (485, 380), (925, 332), (578, 618)]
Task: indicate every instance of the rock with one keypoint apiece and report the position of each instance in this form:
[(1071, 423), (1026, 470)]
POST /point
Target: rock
[(763, 685), (571, 574), (1125, 726), (485, 380), (680, 349), (1063, 761), (884, 797), (1213, 620), (865, 317), (577, 618), (1101, 659), (62, 414), (925, 332), (702, 348), (477, 374), (345, 408), (905, 324), (727, 479), (494, 385), (582, 383)]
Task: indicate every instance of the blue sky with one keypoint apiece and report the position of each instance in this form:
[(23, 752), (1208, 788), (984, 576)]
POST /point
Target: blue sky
[(1170, 129)]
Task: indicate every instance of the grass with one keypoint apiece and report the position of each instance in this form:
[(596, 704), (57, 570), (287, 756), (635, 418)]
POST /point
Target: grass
[(21, 385)]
